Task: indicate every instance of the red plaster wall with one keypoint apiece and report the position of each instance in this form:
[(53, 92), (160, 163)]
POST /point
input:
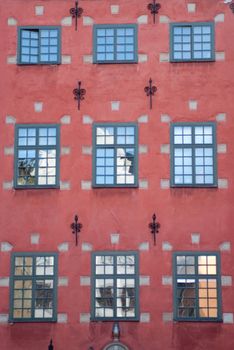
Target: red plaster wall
[(127, 211)]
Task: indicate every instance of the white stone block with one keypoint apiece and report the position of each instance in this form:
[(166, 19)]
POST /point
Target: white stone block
[(219, 18), (115, 105), (39, 10), (63, 247), (86, 247), (6, 247), (63, 281), (66, 22), (228, 318), (195, 238), (145, 317), (65, 119), (167, 316), (4, 281), (164, 184), (85, 280), (144, 246), (142, 19), (165, 149), (143, 119), (4, 318), (143, 184), (191, 7), (164, 57), (7, 185), (86, 185), (142, 58), (144, 281), (220, 56), (84, 317), (114, 238), (10, 119), (166, 280), (62, 318), (221, 117), (87, 59), (66, 59), (12, 21), (87, 21), (222, 183), (38, 107), (192, 105), (35, 238), (143, 149), (11, 59), (65, 185), (165, 118), (87, 119), (114, 9), (222, 148), (225, 246), (166, 246), (9, 151), (65, 151), (87, 150), (226, 281), (164, 19)]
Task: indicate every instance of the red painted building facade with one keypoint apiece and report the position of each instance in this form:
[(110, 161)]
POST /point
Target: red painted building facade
[(115, 162)]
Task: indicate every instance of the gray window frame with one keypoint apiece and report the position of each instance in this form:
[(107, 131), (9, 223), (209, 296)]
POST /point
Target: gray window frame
[(193, 146), (19, 61), (33, 277), (115, 26), (114, 276), (196, 277), (36, 147), (192, 25), (115, 145)]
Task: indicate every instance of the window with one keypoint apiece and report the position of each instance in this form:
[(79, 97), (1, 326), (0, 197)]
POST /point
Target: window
[(39, 45), (115, 155), (197, 286), (115, 286), (36, 156), (193, 153), (192, 42), (115, 43), (33, 287)]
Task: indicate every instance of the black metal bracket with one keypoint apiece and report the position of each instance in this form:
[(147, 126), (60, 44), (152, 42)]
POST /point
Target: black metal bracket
[(150, 91), (79, 94), (154, 8), (232, 6), (76, 12), (76, 227), (154, 227), (50, 346)]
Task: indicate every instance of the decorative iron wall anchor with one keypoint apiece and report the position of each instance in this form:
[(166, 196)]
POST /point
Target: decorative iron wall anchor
[(50, 346), (79, 94), (232, 6), (154, 8), (76, 227), (154, 227), (116, 331), (76, 12), (150, 91)]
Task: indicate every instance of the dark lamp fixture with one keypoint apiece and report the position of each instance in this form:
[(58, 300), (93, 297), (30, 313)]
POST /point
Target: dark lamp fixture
[(116, 331), (79, 94), (150, 91), (76, 12), (232, 6), (76, 227), (154, 227), (154, 7), (50, 346)]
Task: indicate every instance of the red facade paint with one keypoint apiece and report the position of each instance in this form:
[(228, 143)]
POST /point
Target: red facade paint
[(180, 211)]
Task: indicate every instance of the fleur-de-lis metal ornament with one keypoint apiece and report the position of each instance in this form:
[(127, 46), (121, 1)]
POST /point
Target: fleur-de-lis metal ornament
[(50, 346), (76, 227), (76, 12), (150, 91), (79, 94), (154, 8), (154, 227)]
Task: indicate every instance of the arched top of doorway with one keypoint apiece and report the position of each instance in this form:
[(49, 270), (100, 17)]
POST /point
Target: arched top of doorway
[(115, 346)]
